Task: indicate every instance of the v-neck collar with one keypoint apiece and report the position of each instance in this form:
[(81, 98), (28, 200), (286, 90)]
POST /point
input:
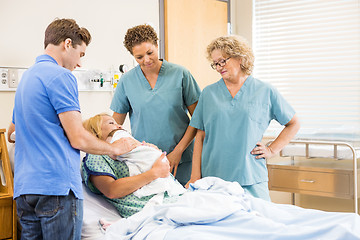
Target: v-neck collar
[(158, 80), (240, 92)]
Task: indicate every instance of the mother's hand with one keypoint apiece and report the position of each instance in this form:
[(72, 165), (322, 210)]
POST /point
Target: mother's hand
[(143, 143), (262, 151), (161, 167)]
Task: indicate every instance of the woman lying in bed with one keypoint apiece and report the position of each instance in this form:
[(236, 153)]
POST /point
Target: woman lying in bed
[(114, 180), (211, 208)]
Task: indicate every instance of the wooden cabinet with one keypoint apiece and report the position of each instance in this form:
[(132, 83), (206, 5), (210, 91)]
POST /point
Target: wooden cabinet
[(7, 204), (304, 176), (329, 177)]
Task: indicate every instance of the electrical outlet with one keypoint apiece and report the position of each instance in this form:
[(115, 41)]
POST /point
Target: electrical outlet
[(13, 78), (4, 78)]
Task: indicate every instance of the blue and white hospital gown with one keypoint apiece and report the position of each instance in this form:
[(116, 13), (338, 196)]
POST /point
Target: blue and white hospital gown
[(103, 165), (159, 115), (233, 126)]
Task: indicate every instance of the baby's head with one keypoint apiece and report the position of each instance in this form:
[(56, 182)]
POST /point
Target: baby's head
[(101, 125)]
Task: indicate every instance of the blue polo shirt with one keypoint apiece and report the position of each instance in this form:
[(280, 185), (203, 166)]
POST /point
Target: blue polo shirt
[(45, 162), (158, 115), (233, 126)]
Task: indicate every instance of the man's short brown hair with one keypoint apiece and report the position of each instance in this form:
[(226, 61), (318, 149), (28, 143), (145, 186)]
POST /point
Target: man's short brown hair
[(61, 29)]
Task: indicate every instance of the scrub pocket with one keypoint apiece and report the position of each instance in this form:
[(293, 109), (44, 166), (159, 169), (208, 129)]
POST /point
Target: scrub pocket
[(258, 112), (172, 98)]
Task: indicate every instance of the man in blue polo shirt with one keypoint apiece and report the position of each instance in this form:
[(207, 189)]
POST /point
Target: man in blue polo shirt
[(49, 135)]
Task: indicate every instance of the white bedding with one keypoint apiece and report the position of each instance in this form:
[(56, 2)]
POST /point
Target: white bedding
[(96, 207), (215, 209)]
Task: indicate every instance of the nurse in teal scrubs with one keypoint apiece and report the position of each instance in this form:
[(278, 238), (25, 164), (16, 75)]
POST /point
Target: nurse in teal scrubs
[(231, 117), (158, 96)]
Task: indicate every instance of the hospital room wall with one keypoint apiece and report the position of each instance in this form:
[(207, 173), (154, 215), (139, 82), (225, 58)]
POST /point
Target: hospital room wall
[(22, 36)]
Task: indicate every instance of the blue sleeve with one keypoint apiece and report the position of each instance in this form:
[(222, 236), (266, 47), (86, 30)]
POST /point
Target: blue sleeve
[(13, 117), (197, 119), (191, 90), (63, 93), (120, 102), (281, 110)]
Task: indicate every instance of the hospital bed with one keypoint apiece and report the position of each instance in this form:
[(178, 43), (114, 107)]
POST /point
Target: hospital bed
[(317, 167), (218, 217), (218, 210)]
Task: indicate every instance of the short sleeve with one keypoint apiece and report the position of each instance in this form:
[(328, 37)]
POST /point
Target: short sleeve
[(197, 119), (281, 110), (96, 165), (120, 102), (63, 93), (191, 90)]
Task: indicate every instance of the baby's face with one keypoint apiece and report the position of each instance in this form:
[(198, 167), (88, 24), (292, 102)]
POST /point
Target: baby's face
[(108, 124)]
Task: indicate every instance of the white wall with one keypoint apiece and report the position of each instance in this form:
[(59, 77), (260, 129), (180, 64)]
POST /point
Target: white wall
[(22, 27), (241, 18)]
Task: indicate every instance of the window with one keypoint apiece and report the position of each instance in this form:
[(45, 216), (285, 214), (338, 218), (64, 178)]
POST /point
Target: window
[(310, 51)]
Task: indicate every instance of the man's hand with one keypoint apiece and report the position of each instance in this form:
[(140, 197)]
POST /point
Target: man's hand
[(124, 145)]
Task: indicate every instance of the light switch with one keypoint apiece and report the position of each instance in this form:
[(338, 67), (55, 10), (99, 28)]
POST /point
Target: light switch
[(13, 78)]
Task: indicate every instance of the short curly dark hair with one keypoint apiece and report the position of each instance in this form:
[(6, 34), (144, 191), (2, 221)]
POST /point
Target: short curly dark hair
[(139, 34)]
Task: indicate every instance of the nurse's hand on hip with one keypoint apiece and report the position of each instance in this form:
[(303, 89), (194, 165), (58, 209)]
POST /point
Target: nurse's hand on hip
[(262, 151)]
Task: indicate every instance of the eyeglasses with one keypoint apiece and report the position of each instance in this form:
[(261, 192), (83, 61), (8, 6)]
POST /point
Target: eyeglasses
[(221, 63)]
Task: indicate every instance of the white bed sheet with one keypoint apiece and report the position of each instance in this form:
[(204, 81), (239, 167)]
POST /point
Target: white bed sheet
[(216, 209), (96, 207)]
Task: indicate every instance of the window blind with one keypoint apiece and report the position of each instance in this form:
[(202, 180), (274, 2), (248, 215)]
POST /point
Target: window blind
[(310, 51)]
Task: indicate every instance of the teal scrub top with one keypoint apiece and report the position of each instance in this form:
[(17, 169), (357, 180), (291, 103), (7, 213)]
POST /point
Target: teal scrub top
[(158, 115), (233, 126)]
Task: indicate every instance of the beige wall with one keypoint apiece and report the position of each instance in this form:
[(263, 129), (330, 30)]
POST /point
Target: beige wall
[(22, 36)]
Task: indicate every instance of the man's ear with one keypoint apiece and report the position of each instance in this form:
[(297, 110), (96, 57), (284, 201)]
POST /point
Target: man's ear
[(67, 43)]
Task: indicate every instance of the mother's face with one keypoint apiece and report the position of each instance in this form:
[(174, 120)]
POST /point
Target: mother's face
[(231, 70), (146, 55), (107, 125)]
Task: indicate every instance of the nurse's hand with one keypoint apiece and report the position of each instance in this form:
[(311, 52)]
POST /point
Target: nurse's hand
[(174, 159), (161, 167), (143, 143), (262, 151), (192, 180)]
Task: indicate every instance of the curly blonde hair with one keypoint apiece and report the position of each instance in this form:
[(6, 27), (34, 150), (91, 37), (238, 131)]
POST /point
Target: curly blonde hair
[(93, 124), (235, 47), (139, 34)]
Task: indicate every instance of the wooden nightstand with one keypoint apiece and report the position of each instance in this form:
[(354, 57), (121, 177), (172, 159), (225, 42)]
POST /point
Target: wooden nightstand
[(8, 220), (328, 177)]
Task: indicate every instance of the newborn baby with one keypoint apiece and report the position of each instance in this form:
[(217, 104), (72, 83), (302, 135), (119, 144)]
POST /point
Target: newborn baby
[(140, 160)]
